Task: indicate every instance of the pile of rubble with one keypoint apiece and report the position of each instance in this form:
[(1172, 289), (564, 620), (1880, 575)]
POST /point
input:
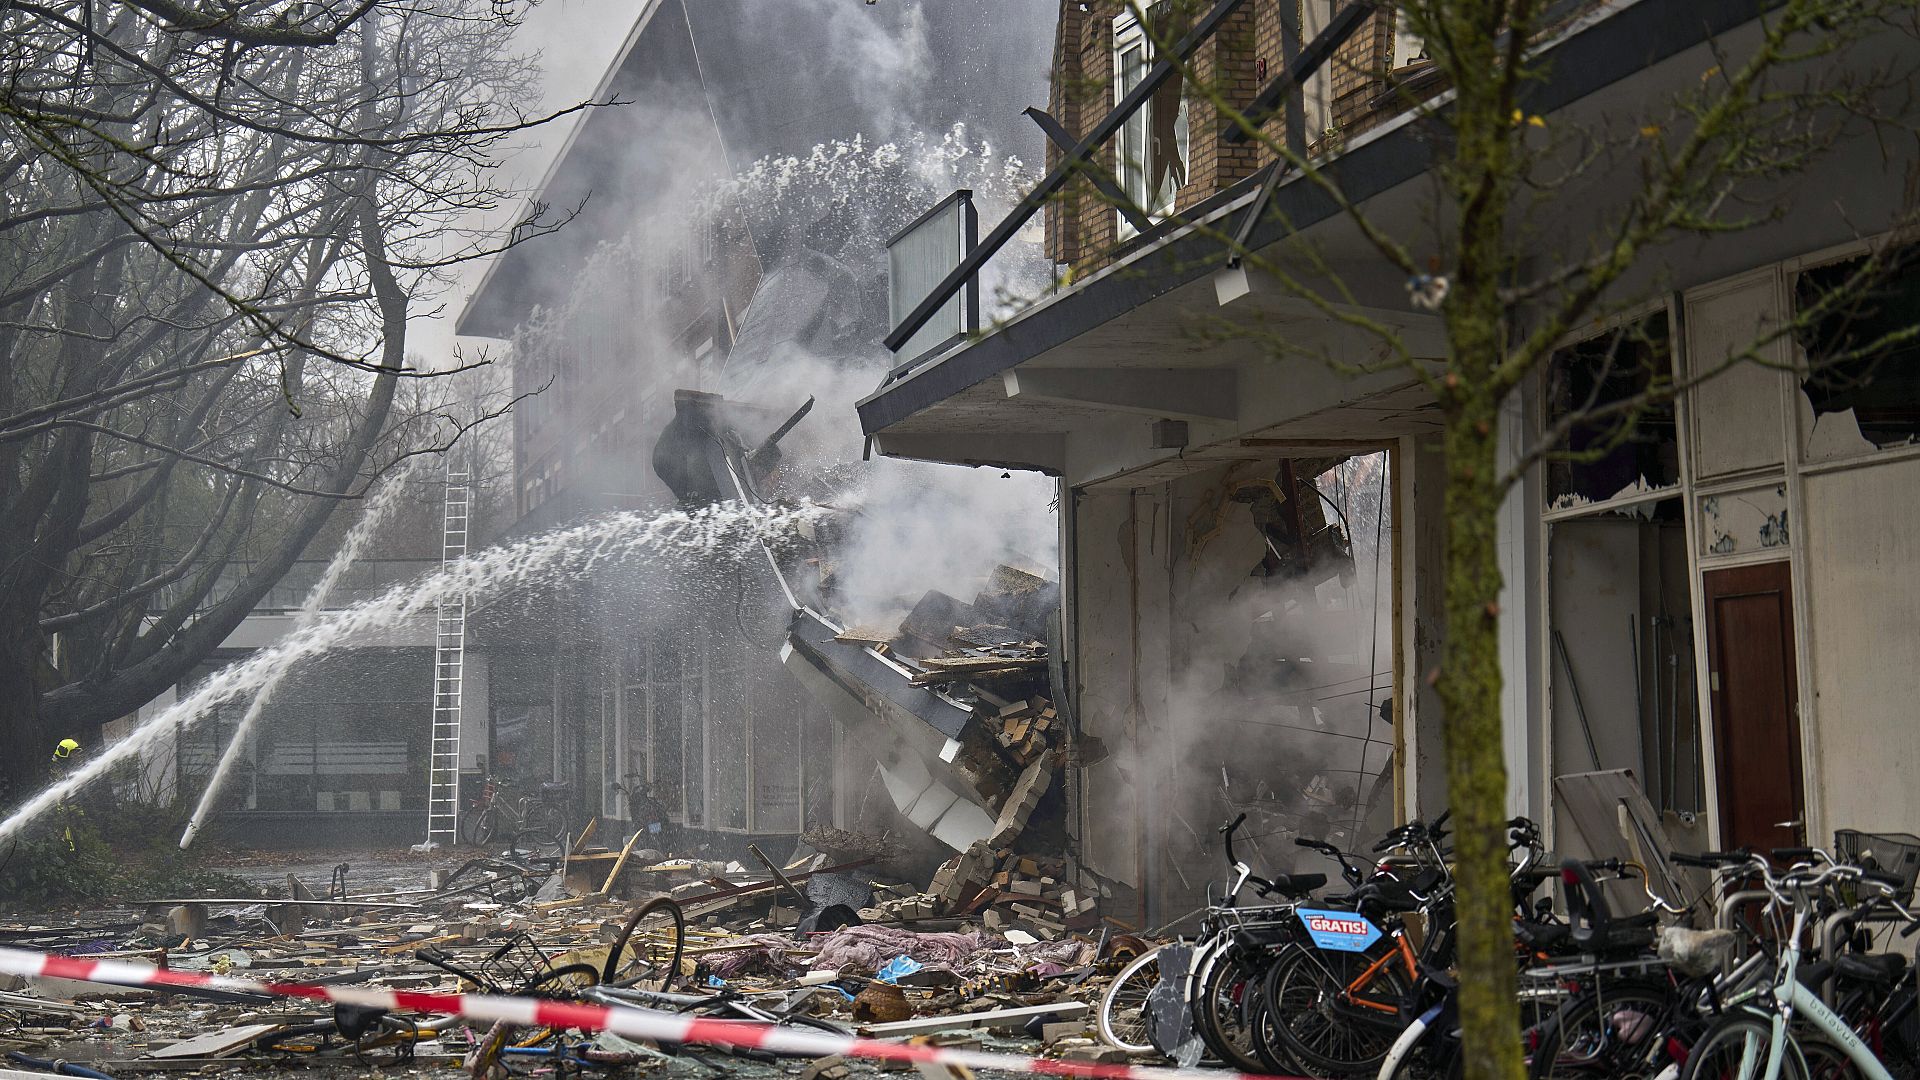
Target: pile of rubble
[(990, 658), (1003, 950)]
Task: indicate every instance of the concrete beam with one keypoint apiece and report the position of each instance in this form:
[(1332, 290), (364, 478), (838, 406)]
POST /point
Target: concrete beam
[(1034, 451), (1176, 393)]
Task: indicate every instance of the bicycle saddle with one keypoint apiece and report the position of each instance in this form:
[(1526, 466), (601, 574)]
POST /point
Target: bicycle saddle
[(1873, 967), (1298, 886)]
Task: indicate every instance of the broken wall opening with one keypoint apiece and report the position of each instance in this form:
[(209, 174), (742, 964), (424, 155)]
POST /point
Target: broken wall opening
[(1861, 377), (1621, 429), (1280, 668), (1621, 655)]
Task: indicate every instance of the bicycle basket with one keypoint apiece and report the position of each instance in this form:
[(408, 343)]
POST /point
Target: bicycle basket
[(1897, 854), (514, 966)]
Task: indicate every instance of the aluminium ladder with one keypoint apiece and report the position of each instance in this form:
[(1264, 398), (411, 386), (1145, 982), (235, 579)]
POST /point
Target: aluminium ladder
[(449, 667)]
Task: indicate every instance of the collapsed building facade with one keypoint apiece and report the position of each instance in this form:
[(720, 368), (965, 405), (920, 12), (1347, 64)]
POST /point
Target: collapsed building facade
[(659, 338), (1692, 616)]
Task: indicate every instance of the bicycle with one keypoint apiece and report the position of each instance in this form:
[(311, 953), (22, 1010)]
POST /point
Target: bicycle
[(641, 962), (1212, 969), (518, 968), (1429, 1044), (1237, 945), (1336, 1000), (1122, 1020), (493, 814), (1626, 1011), (1756, 1039)]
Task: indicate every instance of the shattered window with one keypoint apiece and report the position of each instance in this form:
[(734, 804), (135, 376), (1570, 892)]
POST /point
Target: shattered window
[(1861, 337), (1152, 145), (1611, 394)]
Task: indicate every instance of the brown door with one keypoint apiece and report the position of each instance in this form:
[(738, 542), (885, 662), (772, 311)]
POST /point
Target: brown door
[(1755, 693)]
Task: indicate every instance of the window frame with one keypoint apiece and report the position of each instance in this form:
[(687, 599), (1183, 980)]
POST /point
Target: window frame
[(1134, 173)]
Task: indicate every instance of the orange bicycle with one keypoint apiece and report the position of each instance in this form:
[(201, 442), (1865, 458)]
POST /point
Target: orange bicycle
[(1336, 1003)]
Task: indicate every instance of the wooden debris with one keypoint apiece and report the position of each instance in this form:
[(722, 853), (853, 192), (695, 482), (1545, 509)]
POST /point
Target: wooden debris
[(992, 1018), (216, 1043)]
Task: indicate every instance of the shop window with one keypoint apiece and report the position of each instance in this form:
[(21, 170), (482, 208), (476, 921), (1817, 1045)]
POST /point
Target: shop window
[(1861, 348), (1152, 146), (1623, 439)]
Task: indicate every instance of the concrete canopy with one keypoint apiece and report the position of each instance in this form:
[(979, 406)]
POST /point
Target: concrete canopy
[(1070, 385)]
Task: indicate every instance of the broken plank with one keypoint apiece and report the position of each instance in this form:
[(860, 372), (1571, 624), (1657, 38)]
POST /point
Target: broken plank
[(940, 678), (620, 863), (30, 1004), (778, 877), (732, 891), (216, 1043), (585, 835), (976, 663), (923, 1025)]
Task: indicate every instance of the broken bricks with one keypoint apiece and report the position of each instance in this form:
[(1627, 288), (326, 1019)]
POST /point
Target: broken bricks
[(1022, 800), (826, 1068)]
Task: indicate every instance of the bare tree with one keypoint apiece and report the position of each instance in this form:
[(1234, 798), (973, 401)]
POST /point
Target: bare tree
[(1495, 261), (214, 220)]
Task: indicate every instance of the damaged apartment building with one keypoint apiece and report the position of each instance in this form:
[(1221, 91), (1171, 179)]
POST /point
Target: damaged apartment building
[(1711, 615), (670, 344)]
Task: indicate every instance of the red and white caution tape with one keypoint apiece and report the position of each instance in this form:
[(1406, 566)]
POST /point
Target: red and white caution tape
[(633, 1023)]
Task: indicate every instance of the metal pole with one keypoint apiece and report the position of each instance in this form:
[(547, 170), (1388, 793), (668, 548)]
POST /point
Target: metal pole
[(1573, 684)]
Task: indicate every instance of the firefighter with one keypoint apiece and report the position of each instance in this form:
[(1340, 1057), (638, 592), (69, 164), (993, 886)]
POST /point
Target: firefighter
[(63, 763)]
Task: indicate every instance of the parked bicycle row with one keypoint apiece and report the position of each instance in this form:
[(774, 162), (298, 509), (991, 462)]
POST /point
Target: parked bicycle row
[(1789, 964)]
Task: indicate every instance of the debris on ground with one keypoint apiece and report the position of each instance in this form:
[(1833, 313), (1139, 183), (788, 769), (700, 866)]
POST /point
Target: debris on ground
[(999, 946)]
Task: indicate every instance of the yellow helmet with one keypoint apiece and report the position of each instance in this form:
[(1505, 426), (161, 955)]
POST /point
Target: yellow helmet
[(67, 746)]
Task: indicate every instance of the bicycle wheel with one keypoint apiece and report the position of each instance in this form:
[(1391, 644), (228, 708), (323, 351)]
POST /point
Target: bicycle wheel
[(627, 966), (1825, 1061), (477, 828), (544, 824), (1123, 1008), (1220, 1011), (1327, 1028), (1615, 1029), (1264, 1025), (563, 981), (1736, 1047)]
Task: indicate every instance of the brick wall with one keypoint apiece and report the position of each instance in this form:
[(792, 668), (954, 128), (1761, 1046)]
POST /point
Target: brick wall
[(1082, 226), (1359, 70), (1064, 101)]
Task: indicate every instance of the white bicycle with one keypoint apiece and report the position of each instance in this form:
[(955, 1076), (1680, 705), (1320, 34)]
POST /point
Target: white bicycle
[(1784, 1029)]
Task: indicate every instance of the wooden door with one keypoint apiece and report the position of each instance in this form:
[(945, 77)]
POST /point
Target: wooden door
[(1756, 705)]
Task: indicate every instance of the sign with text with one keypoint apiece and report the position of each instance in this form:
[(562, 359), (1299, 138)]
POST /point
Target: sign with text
[(1340, 931)]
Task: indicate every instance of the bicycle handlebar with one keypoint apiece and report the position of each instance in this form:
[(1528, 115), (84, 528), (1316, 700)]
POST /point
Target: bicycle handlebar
[(1227, 831)]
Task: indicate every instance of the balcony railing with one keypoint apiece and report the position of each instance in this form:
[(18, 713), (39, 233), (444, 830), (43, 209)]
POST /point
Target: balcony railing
[(1282, 95)]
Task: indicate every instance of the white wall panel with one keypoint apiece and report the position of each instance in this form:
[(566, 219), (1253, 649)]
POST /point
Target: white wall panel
[(1863, 597)]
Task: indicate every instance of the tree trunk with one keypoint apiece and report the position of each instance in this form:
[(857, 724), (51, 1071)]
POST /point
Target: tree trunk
[(23, 765), (1469, 687)]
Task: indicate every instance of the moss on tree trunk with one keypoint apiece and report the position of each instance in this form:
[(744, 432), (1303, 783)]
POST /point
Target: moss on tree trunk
[(1469, 687)]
